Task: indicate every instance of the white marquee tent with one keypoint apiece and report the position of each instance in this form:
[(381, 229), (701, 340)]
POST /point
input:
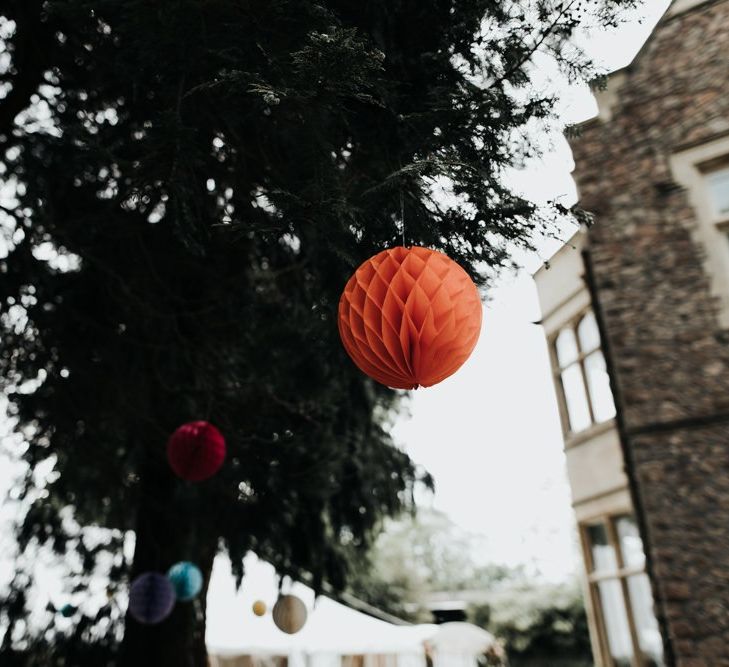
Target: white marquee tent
[(333, 630)]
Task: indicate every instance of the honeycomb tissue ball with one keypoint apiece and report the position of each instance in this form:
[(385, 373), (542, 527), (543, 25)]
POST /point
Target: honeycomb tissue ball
[(259, 608), (67, 610), (151, 598), (187, 580), (409, 317), (289, 614), (196, 451)]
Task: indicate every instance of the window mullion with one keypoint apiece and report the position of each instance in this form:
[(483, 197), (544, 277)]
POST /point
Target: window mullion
[(588, 395), (581, 356), (561, 398), (621, 572), (606, 658), (637, 659)]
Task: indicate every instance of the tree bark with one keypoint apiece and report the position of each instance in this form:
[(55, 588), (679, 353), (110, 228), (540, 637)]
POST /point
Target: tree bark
[(165, 534)]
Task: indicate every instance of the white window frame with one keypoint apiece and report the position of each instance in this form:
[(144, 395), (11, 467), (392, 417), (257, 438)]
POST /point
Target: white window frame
[(720, 219), (574, 437), (689, 168), (620, 574)]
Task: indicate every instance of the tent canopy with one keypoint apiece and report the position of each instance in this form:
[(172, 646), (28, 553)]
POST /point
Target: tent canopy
[(334, 628), (461, 638), (233, 629)]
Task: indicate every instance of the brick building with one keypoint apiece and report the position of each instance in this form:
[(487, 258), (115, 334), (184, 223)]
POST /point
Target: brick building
[(636, 311)]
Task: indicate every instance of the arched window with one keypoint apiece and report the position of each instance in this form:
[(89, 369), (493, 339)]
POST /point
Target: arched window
[(582, 375), (717, 182)]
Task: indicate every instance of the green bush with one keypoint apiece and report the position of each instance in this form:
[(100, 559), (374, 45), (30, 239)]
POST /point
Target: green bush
[(540, 625)]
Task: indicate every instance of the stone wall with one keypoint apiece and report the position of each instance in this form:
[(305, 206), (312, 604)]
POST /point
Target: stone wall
[(669, 355)]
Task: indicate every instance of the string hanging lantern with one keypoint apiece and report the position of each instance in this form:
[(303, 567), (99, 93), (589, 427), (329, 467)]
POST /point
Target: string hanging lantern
[(409, 317), (67, 610), (196, 451), (289, 614), (259, 608), (151, 598), (186, 579)]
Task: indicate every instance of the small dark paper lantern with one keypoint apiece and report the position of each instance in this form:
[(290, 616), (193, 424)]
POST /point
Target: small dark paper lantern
[(187, 580), (196, 451), (67, 610), (151, 598)]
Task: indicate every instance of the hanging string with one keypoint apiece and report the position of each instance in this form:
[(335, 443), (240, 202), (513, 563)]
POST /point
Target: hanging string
[(402, 215)]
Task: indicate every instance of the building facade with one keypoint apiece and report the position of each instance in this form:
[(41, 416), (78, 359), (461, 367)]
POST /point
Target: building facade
[(636, 313)]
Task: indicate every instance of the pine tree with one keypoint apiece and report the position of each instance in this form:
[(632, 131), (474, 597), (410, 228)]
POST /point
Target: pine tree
[(191, 183)]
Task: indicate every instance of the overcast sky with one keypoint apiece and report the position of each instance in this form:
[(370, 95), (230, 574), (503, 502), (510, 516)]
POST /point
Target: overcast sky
[(490, 435)]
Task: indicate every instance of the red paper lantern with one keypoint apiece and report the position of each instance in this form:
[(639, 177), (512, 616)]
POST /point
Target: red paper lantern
[(196, 451), (409, 317)]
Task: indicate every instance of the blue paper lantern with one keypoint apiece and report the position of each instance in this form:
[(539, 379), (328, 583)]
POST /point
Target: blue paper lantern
[(67, 610), (187, 580), (151, 598)]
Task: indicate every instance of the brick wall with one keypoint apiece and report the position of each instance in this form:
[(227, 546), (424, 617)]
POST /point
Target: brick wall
[(670, 358)]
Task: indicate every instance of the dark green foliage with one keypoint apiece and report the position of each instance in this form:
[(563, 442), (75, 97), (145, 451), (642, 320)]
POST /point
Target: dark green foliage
[(538, 625), (194, 182)]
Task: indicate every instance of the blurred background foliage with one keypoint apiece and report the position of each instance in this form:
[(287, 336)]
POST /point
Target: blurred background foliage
[(419, 560)]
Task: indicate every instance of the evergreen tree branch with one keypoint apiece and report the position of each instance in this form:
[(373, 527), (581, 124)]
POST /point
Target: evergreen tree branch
[(31, 57)]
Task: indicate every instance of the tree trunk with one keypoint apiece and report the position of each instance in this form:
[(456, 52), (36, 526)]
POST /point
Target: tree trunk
[(166, 533)]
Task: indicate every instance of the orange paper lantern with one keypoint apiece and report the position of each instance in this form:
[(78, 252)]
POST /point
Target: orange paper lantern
[(409, 317)]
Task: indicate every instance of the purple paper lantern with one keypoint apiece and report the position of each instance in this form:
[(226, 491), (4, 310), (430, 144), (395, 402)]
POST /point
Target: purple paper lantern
[(151, 598)]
